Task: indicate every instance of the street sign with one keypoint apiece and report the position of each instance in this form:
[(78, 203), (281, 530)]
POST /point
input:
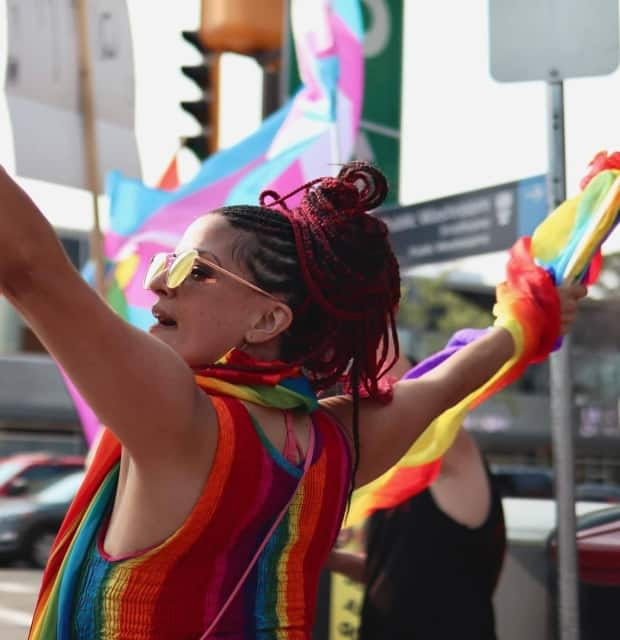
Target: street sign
[(466, 224), (552, 39), (379, 135)]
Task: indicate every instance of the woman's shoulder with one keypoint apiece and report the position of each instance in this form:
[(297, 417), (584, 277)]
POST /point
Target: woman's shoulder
[(336, 411)]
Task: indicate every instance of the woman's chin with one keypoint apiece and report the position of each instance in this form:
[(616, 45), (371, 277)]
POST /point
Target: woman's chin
[(167, 334)]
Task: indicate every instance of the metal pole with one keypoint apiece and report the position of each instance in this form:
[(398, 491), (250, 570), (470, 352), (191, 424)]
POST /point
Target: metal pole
[(271, 86), (561, 402), (87, 104), (285, 55)]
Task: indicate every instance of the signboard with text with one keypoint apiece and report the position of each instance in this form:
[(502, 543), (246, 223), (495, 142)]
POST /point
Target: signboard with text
[(477, 222)]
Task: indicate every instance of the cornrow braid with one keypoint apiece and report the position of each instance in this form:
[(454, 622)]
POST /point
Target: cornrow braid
[(333, 264)]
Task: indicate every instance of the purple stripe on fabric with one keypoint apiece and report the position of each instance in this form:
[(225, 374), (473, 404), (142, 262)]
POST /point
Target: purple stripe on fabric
[(459, 340)]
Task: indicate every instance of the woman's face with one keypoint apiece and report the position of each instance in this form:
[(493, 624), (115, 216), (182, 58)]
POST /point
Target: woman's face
[(210, 312)]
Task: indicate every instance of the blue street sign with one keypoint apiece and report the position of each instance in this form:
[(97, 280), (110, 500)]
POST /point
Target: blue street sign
[(466, 224)]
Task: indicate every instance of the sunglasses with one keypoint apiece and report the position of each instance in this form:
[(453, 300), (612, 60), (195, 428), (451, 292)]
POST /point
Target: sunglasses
[(181, 266)]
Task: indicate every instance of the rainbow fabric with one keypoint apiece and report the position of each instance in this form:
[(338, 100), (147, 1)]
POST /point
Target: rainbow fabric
[(270, 384), (306, 138), (158, 594), (565, 247)]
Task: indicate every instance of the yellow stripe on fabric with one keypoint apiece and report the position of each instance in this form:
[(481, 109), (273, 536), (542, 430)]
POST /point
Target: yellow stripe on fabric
[(111, 609), (283, 568), (238, 391), (553, 234), (439, 435)]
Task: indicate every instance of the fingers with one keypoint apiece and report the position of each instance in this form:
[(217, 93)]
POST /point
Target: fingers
[(578, 291), (566, 321), (569, 297)]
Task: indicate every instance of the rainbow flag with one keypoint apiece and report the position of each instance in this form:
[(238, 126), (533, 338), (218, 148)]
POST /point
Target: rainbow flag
[(313, 132), (564, 248)]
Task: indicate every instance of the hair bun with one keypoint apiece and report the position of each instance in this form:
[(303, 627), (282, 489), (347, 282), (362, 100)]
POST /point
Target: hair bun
[(369, 182)]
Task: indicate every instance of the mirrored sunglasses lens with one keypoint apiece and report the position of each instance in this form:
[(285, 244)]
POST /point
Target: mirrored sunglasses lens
[(180, 269), (156, 268)]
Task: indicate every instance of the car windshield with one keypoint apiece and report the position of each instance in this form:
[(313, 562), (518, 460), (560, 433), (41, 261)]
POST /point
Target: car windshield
[(8, 469), (62, 490)]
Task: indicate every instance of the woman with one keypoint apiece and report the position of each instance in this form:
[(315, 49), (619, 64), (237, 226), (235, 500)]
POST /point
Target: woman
[(160, 536)]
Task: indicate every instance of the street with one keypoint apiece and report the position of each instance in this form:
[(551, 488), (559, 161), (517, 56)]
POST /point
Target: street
[(18, 591)]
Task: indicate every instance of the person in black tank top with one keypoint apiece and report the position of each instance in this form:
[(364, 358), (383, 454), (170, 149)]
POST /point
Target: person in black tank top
[(432, 564)]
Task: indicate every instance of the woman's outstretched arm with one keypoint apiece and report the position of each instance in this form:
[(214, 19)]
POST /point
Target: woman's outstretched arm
[(137, 385), (387, 431)]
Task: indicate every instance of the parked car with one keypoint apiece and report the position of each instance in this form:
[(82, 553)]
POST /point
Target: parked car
[(28, 525), (25, 474), (520, 481), (598, 492)]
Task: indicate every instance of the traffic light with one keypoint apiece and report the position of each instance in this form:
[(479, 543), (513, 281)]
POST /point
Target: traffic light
[(204, 110)]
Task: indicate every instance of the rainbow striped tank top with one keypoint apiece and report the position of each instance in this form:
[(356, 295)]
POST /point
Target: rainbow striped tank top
[(175, 589)]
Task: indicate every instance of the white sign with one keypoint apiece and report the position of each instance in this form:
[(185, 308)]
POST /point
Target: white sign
[(552, 39), (43, 91)]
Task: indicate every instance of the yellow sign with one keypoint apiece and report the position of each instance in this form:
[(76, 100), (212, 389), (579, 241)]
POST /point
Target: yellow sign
[(346, 594)]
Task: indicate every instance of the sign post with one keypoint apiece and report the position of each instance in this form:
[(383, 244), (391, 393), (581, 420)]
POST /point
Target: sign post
[(90, 143), (550, 41), (562, 428)]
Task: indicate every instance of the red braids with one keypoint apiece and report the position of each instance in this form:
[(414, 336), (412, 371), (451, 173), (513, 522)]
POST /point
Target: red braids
[(350, 274)]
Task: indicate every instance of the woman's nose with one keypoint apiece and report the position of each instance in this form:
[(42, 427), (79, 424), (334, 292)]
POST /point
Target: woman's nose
[(159, 286), (155, 278)]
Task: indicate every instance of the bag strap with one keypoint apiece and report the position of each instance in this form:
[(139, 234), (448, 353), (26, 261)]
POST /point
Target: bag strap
[(274, 526)]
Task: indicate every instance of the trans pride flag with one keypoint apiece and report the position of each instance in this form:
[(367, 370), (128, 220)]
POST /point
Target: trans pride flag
[(306, 138)]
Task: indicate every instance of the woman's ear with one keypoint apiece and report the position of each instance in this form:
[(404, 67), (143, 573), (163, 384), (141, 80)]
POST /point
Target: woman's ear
[(270, 325)]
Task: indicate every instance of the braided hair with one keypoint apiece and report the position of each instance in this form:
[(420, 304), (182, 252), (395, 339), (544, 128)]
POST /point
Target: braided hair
[(333, 264)]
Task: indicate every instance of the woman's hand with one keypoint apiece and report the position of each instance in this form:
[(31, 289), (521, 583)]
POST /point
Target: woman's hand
[(569, 297)]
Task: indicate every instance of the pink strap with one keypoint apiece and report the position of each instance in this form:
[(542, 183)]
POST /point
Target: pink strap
[(274, 526), (292, 450)]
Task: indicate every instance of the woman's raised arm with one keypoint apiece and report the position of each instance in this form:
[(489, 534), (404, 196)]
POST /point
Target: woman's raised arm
[(138, 386)]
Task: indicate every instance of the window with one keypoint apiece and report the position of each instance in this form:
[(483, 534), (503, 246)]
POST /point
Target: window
[(40, 476)]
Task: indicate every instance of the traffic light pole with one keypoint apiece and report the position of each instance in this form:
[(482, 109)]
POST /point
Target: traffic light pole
[(87, 104), (561, 402), (205, 110)]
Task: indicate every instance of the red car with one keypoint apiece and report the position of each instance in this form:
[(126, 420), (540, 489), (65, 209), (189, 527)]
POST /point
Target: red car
[(25, 473)]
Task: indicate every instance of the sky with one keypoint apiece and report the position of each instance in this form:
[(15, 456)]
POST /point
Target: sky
[(461, 130)]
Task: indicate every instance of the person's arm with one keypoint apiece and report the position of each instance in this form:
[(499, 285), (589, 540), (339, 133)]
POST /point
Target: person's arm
[(387, 431), (462, 490), (138, 386), (351, 565)]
